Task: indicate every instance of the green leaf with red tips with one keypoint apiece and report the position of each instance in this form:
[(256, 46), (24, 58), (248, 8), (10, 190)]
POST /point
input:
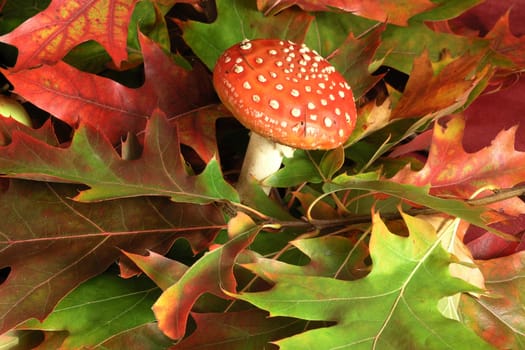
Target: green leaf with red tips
[(213, 273), (90, 159)]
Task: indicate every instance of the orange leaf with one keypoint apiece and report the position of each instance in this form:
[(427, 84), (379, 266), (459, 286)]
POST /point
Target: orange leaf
[(48, 36), (439, 94), (450, 171)]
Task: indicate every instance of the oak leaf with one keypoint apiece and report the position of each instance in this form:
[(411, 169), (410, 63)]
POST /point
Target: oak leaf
[(90, 159), (395, 12), (114, 109), (452, 172), (48, 36), (56, 243), (499, 315), (395, 306)]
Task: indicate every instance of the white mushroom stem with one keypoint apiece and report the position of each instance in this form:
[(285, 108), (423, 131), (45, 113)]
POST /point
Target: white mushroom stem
[(263, 158)]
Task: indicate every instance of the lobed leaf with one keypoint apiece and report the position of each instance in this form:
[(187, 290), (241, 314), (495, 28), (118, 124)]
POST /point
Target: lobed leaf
[(240, 330), (56, 243), (77, 97), (395, 12), (126, 305), (476, 215), (499, 314), (395, 306), (48, 36), (91, 159), (451, 171), (213, 273), (208, 41)]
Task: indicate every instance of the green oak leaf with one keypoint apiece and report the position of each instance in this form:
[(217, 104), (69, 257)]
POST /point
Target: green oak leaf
[(393, 307)]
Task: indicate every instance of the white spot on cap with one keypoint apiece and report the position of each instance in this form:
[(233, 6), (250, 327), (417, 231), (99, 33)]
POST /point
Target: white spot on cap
[(279, 63), (308, 88), (341, 132), (337, 111), (324, 102), (322, 85), (227, 59), (274, 104), (328, 122), (259, 60), (246, 85), (256, 98), (341, 94), (273, 75), (313, 117), (331, 97), (311, 106), (246, 44), (296, 112), (284, 124), (238, 69), (272, 52), (294, 93), (347, 117), (279, 87), (261, 78)]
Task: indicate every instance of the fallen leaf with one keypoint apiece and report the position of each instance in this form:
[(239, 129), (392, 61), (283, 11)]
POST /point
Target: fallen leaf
[(213, 273), (395, 12), (452, 172), (78, 97), (240, 330), (90, 159), (427, 93), (400, 292), (499, 315), (56, 243), (48, 36)]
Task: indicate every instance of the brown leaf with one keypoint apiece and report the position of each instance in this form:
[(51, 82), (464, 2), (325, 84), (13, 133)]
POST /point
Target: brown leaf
[(354, 58), (440, 94), (52, 244)]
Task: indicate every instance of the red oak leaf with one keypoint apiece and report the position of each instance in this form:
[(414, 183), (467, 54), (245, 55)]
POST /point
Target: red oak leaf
[(74, 96), (48, 36), (451, 171)]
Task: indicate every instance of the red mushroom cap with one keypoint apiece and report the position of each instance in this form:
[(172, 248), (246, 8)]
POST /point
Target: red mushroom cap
[(286, 92)]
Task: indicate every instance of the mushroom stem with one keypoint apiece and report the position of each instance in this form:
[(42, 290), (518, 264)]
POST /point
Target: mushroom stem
[(263, 158)]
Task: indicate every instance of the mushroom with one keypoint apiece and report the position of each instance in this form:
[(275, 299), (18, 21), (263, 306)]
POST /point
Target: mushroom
[(288, 96)]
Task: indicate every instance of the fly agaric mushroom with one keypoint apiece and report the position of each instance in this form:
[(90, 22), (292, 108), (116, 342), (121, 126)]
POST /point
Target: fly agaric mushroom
[(288, 96)]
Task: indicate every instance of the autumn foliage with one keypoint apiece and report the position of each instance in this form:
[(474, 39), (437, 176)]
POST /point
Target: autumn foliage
[(121, 227)]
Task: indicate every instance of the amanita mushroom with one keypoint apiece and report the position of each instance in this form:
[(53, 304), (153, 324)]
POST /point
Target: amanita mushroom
[(288, 96)]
